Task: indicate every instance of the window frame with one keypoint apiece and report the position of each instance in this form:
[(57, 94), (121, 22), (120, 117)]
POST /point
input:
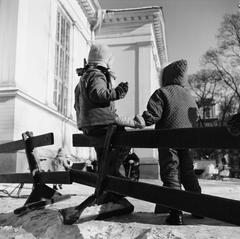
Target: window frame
[(62, 56)]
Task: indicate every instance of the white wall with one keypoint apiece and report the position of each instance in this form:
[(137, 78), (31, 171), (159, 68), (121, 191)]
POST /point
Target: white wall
[(7, 105), (132, 48), (125, 68), (33, 47), (32, 117), (36, 46), (8, 33), (27, 42), (79, 52), (134, 62)]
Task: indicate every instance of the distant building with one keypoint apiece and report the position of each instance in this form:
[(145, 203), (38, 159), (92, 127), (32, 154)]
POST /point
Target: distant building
[(207, 108), (41, 45)]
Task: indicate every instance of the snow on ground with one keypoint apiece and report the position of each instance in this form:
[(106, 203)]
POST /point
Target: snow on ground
[(142, 224)]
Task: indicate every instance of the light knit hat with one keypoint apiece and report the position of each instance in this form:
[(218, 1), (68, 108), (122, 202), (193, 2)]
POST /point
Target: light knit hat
[(99, 54)]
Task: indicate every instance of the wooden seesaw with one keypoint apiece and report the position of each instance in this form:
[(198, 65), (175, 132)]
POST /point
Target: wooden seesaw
[(224, 209)]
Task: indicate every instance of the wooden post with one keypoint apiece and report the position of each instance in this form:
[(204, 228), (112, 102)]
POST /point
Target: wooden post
[(105, 162), (41, 194), (72, 214)]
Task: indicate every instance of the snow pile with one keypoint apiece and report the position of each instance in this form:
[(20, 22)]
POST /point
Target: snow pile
[(142, 224)]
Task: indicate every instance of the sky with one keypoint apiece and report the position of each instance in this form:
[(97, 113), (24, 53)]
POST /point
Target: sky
[(191, 25)]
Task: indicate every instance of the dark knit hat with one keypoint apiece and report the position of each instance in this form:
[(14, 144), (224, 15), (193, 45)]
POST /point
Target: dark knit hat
[(175, 73), (180, 66)]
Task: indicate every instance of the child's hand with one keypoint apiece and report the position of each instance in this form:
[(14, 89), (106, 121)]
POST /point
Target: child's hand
[(121, 90), (139, 121)]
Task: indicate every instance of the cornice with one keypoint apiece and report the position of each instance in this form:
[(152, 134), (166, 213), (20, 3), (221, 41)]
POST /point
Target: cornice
[(129, 15), (160, 36), (93, 12), (140, 16), (88, 6)]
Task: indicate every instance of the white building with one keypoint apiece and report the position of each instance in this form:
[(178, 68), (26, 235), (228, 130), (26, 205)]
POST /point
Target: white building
[(137, 40), (41, 45)]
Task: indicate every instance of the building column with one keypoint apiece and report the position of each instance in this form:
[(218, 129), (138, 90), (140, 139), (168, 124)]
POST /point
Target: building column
[(148, 157)]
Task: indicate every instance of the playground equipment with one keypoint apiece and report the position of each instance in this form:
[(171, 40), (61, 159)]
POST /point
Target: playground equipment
[(224, 209)]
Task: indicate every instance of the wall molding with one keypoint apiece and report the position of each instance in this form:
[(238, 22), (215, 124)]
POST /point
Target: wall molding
[(13, 92), (141, 16)]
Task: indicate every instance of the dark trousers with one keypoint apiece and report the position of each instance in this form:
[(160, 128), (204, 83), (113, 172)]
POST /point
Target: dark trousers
[(176, 169), (117, 154)]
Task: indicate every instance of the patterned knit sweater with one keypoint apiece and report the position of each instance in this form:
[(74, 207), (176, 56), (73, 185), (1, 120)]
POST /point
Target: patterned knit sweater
[(172, 106)]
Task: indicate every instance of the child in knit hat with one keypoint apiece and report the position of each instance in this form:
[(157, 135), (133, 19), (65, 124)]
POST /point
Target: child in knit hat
[(171, 107), (94, 100)]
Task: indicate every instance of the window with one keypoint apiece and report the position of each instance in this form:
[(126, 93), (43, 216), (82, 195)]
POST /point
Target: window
[(61, 72), (207, 112)]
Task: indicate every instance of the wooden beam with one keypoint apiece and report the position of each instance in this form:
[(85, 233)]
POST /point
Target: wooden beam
[(44, 177), (38, 141), (212, 137), (12, 146), (43, 140), (104, 168), (61, 177), (223, 209), (89, 179), (16, 178), (81, 140)]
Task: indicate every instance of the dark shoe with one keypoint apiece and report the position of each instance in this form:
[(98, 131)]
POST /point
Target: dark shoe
[(175, 217), (197, 216)]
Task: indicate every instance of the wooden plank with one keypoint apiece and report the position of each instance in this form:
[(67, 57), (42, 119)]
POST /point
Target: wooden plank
[(215, 137), (223, 209), (32, 163), (104, 167), (90, 210), (43, 140), (12, 146), (212, 137), (44, 177), (85, 178), (55, 177), (82, 140), (38, 141), (16, 178)]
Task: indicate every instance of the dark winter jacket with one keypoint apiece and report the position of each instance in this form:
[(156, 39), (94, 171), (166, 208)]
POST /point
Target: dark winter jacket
[(172, 106), (94, 96), (94, 101)]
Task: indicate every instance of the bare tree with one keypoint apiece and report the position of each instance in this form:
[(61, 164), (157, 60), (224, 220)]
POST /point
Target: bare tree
[(225, 60), (209, 88), (220, 78), (204, 84)]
